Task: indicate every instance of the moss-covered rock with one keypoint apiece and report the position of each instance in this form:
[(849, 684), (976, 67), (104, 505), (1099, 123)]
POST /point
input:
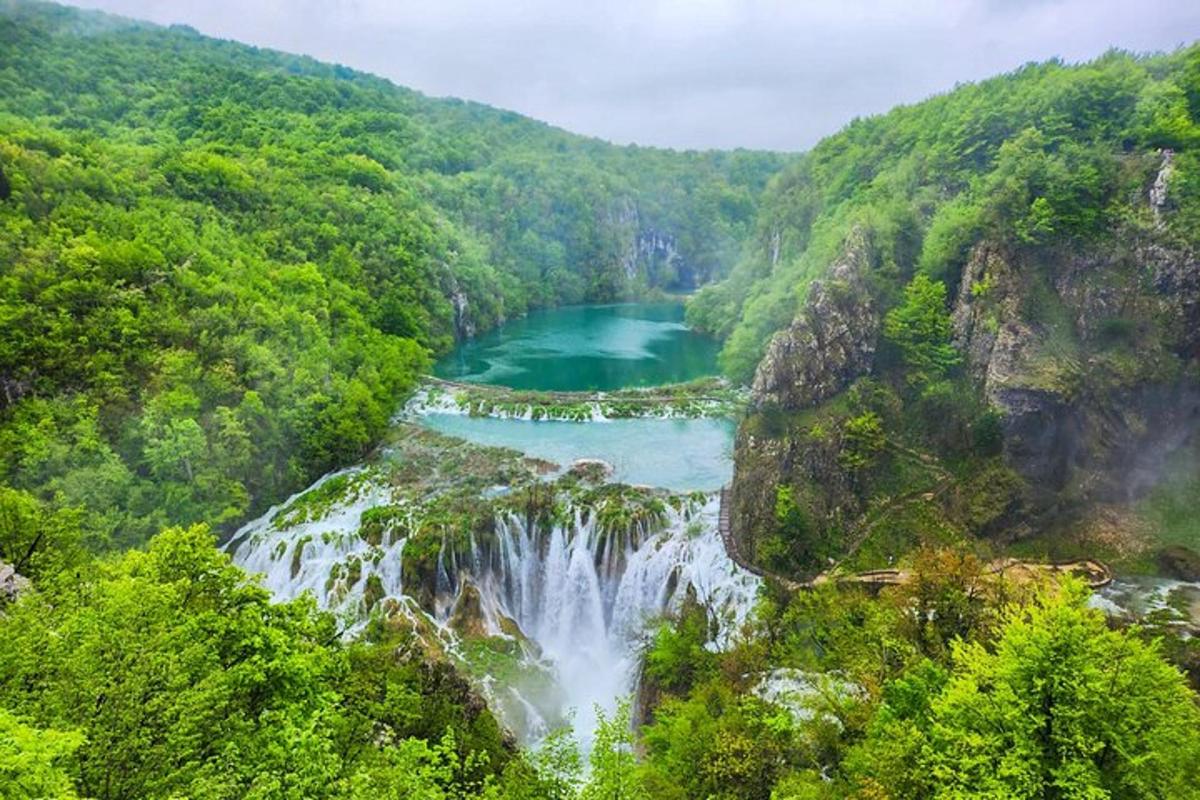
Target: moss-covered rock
[(1179, 562)]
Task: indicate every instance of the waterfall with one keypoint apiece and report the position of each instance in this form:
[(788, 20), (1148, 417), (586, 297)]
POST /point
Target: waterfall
[(579, 598)]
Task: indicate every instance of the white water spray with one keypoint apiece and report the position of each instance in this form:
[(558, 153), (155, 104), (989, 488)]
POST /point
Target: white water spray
[(583, 597)]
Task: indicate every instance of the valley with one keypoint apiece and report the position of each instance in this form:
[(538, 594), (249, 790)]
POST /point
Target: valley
[(356, 443)]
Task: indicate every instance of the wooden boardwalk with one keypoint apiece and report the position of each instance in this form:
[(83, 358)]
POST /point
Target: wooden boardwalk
[(1095, 573), (725, 526)]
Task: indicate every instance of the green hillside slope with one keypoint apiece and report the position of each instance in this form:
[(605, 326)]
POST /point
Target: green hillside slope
[(976, 319), (223, 266)]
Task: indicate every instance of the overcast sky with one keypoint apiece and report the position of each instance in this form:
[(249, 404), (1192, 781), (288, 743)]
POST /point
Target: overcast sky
[(686, 73)]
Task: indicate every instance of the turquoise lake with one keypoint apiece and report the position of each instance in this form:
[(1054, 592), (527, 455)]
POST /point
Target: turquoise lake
[(585, 348), (678, 454), (582, 348)]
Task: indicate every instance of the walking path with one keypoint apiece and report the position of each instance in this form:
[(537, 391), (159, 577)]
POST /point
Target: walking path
[(1095, 573)]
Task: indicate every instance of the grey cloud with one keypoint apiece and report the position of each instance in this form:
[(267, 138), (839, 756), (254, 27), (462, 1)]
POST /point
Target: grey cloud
[(687, 73)]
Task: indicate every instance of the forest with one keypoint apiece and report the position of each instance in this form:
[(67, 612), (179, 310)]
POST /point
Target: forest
[(1035, 159), (223, 269), (224, 265)]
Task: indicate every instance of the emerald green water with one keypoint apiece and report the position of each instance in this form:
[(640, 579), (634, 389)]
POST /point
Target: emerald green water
[(586, 348), (598, 348), (680, 454)]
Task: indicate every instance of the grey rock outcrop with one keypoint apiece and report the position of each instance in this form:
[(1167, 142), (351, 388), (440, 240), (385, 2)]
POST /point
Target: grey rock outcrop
[(1159, 189), (1179, 562), (12, 584), (831, 341), (1087, 350), (1084, 420), (647, 252)]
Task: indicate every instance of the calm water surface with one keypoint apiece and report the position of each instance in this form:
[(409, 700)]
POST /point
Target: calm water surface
[(679, 454), (582, 348), (587, 348)]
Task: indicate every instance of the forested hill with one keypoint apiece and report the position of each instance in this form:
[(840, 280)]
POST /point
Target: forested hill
[(1051, 154), (977, 320), (220, 266)]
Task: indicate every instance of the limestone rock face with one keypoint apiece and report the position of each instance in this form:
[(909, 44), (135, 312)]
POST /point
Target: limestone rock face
[(831, 341), (1086, 350), (467, 619), (12, 584), (830, 344), (1088, 354), (1179, 562), (764, 462), (649, 253), (1085, 418), (988, 329), (1175, 277), (1158, 191)]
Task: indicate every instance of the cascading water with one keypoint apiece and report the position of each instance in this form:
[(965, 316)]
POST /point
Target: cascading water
[(587, 598), (549, 618), (578, 597), (325, 556)]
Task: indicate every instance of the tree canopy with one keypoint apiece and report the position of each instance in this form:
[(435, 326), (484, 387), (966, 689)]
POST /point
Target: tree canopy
[(222, 268)]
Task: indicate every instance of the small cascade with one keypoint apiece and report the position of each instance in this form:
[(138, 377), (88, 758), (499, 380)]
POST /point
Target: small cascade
[(586, 598), (1134, 597), (575, 599), (325, 557)]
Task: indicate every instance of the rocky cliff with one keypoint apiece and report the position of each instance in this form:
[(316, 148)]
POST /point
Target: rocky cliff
[(12, 584), (649, 253), (831, 341), (1080, 376)]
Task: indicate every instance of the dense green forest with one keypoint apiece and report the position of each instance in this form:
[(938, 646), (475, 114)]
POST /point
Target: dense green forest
[(224, 266), (966, 319), (1047, 155), (169, 673), (222, 269)]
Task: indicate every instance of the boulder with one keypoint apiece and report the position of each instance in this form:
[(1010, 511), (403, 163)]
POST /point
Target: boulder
[(12, 584), (1179, 562)]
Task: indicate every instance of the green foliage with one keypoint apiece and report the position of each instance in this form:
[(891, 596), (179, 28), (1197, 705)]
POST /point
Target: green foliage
[(35, 763), (920, 328), (222, 270), (554, 774), (677, 658), (794, 544), (177, 676), (1044, 155), (1060, 706), (955, 684), (715, 743), (863, 440), (34, 540), (613, 775)]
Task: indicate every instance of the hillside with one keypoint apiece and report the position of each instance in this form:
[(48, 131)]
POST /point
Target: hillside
[(969, 328), (223, 267), (974, 320)]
